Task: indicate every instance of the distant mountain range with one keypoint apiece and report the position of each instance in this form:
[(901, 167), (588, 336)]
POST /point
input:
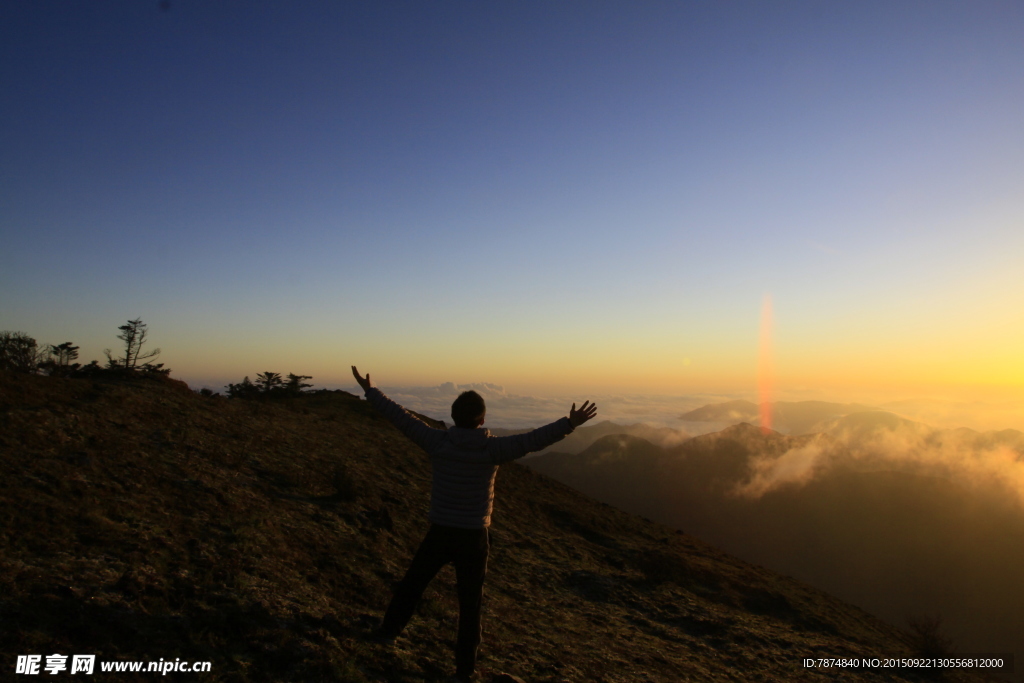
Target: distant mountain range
[(888, 513), (584, 436), (800, 417)]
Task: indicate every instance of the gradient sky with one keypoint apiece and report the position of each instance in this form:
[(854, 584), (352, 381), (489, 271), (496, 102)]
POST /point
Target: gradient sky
[(549, 196)]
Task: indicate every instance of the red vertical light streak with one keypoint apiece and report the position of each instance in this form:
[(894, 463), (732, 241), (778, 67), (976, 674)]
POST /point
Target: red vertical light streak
[(764, 365)]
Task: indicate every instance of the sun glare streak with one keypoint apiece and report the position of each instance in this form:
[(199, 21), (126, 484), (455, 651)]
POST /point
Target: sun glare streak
[(764, 365)]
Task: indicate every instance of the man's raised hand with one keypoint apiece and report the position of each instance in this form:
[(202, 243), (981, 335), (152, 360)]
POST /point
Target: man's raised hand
[(364, 382), (578, 417)]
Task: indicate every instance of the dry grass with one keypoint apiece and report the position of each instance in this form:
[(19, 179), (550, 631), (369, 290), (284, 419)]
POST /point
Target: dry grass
[(141, 520)]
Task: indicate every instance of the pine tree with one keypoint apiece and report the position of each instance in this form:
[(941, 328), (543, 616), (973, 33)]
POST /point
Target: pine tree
[(244, 389), (133, 334), (295, 385), (63, 354), (268, 381)]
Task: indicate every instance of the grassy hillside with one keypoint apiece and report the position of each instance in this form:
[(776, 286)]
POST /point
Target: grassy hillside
[(142, 521), (888, 535)]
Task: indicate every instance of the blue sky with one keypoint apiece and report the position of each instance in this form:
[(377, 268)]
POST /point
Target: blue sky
[(542, 195)]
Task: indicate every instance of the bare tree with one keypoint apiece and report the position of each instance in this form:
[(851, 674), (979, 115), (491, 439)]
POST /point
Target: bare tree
[(133, 334), (927, 637), (18, 352)]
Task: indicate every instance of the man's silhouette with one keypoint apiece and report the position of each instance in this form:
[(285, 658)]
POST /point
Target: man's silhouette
[(465, 460)]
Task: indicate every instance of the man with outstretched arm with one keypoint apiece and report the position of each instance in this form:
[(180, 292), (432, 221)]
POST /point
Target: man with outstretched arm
[(465, 460)]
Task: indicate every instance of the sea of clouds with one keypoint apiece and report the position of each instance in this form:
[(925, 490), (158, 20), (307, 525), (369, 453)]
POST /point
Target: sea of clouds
[(516, 411), (954, 455), (957, 455)]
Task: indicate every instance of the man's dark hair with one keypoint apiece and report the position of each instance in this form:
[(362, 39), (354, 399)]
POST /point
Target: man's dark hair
[(468, 409)]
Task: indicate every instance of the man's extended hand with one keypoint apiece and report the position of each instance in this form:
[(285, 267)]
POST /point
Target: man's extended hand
[(578, 417), (364, 382)]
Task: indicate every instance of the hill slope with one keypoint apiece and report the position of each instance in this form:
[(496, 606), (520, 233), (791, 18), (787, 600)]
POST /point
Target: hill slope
[(143, 521), (892, 532)]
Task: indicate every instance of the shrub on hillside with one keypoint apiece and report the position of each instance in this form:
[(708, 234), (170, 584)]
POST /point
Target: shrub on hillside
[(927, 638), (18, 352), (58, 359), (269, 385)]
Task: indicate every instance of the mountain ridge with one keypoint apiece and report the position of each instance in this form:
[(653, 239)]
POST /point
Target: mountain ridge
[(897, 536), (792, 417), (147, 521)]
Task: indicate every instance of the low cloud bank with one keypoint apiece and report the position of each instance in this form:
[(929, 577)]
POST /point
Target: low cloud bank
[(514, 411), (979, 415), (991, 461)]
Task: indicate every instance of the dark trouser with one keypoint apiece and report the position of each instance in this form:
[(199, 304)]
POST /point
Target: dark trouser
[(468, 549)]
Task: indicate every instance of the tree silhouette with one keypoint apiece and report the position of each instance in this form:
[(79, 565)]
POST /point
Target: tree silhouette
[(268, 381), (65, 353), (295, 385), (58, 360), (927, 636), (133, 334), (269, 385), (18, 352), (244, 389)]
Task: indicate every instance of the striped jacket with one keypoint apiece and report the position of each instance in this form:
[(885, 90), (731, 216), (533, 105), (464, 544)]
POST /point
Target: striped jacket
[(465, 461)]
